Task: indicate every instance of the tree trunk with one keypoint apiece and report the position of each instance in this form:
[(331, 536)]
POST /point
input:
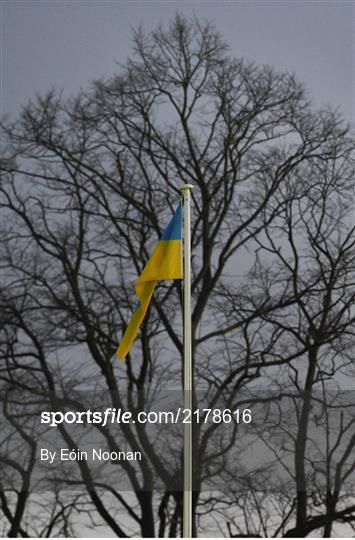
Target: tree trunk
[(301, 442)]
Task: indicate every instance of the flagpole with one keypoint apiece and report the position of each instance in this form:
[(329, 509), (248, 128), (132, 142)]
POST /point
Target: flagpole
[(187, 499)]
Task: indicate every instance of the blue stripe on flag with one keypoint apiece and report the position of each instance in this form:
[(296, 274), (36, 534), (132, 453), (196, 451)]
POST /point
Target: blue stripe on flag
[(173, 230)]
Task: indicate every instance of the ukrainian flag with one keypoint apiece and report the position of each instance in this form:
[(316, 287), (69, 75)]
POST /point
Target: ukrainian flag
[(165, 263)]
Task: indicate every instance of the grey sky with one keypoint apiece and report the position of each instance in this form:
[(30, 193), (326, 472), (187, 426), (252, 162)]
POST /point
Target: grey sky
[(68, 43)]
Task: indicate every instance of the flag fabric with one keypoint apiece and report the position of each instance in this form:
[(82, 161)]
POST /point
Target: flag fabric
[(165, 263)]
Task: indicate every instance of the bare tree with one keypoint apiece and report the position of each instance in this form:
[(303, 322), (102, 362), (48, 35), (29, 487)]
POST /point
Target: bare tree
[(87, 186)]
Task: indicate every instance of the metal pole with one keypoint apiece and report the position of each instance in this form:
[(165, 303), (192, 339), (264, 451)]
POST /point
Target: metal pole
[(187, 500)]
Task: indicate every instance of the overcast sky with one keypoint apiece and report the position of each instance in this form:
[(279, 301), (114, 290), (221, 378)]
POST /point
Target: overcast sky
[(66, 44)]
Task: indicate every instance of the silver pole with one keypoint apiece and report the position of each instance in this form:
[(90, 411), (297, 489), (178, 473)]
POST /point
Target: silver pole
[(187, 500)]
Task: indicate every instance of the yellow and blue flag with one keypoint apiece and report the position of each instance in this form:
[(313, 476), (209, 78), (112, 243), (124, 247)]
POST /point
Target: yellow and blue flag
[(165, 263)]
